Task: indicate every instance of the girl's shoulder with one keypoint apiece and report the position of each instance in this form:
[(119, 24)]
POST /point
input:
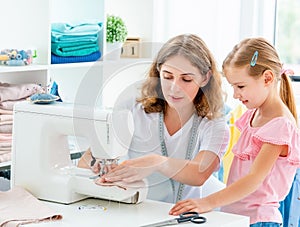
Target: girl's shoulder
[(278, 131), (281, 128), (282, 131)]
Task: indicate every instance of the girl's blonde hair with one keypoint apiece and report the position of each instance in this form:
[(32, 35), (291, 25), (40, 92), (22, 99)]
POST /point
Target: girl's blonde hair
[(209, 99), (258, 55)]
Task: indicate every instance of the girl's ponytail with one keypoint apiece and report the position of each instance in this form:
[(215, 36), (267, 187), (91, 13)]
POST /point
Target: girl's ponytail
[(287, 94)]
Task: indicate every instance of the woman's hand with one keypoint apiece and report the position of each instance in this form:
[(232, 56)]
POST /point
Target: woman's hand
[(134, 169), (197, 205), (88, 161)]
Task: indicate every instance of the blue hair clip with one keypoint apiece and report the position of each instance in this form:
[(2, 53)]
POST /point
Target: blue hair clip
[(254, 58)]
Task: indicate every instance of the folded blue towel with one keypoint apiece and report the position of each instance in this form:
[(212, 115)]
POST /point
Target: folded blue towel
[(87, 58)]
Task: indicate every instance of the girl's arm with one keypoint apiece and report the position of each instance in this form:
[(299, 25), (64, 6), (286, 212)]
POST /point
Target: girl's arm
[(261, 167)]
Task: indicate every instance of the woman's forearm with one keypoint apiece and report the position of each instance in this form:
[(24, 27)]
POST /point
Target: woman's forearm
[(192, 172)]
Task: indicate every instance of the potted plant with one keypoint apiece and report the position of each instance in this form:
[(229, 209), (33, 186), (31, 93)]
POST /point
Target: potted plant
[(116, 34)]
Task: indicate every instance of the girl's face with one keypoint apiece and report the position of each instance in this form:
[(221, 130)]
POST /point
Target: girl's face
[(251, 91), (180, 81)]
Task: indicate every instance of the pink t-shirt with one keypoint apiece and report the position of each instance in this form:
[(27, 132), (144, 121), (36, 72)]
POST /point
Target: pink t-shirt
[(262, 205)]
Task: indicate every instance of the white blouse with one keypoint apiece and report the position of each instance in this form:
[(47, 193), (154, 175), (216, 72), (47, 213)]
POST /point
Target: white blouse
[(213, 135)]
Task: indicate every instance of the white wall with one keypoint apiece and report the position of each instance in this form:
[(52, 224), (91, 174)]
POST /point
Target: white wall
[(215, 21), (138, 17), (221, 24)]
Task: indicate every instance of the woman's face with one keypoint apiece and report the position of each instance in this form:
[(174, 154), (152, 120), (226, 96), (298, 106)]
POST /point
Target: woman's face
[(180, 81)]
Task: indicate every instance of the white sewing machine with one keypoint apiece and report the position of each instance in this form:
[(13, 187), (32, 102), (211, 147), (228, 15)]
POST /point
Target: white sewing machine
[(41, 160)]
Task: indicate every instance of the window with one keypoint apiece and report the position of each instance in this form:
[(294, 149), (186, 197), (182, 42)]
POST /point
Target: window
[(288, 33)]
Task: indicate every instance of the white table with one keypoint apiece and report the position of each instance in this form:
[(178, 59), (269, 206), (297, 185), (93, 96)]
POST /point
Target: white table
[(130, 215)]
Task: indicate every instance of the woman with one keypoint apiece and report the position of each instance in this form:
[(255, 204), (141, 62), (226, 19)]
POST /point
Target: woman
[(180, 134)]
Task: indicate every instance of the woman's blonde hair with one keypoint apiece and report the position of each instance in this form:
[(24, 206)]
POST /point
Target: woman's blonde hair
[(209, 99), (258, 55)]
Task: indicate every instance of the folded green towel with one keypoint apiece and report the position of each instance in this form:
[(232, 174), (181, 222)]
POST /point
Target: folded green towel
[(61, 48), (75, 50), (56, 45)]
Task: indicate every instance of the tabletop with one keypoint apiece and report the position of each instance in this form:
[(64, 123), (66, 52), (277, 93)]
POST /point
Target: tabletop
[(96, 212)]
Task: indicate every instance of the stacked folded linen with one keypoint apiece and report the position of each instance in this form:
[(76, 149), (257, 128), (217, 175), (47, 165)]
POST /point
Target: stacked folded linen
[(77, 42), (9, 95)]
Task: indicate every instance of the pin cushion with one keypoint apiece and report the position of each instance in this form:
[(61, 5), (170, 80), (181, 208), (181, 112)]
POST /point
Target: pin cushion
[(43, 98)]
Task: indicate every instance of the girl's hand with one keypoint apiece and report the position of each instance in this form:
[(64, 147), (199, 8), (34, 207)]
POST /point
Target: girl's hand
[(133, 169), (197, 205)]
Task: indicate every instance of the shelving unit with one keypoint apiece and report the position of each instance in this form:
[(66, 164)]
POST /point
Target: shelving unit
[(28, 26)]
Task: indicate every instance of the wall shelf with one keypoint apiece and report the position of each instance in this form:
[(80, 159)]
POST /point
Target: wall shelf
[(12, 69)]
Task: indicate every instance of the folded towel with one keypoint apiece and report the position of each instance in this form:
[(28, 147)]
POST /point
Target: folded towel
[(66, 46), (17, 91), (87, 58), (5, 145), (78, 50), (75, 32), (4, 158), (6, 117), (80, 28), (72, 38), (9, 105), (5, 150), (6, 128), (3, 111), (6, 122), (5, 137), (18, 207)]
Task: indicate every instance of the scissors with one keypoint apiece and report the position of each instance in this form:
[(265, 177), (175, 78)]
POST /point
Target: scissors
[(184, 217)]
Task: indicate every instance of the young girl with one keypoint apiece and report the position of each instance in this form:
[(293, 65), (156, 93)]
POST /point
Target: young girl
[(267, 153), (179, 132)]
